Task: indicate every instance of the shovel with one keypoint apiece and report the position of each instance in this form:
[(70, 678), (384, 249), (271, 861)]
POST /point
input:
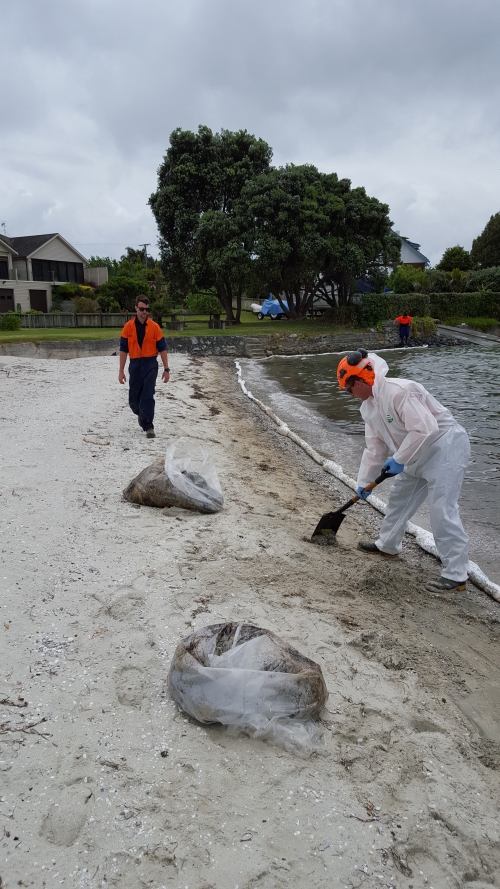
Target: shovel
[(330, 522)]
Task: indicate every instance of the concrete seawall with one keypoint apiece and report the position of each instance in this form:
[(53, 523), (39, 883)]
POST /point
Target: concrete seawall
[(61, 348), (236, 346), (230, 346)]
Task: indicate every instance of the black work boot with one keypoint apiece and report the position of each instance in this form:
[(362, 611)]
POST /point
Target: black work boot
[(372, 549), (444, 585)]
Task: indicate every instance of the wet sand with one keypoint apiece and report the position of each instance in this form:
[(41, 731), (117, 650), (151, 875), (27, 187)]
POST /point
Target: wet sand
[(103, 782)]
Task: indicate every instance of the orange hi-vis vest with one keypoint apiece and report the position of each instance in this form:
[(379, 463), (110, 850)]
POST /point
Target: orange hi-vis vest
[(152, 336)]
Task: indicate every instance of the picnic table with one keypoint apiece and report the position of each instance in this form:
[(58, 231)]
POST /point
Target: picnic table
[(215, 322), (178, 322)]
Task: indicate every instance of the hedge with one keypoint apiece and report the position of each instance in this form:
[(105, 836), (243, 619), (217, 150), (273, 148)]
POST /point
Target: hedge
[(465, 305), (376, 307)]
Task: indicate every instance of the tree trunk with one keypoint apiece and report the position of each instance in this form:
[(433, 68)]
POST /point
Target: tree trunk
[(226, 299), (238, 308)]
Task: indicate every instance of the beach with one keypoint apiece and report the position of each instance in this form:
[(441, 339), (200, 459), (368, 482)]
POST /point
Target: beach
[(103, 780)]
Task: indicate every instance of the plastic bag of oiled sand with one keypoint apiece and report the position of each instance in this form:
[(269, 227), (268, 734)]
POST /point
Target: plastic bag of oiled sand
[(186, 478), (248, 679)]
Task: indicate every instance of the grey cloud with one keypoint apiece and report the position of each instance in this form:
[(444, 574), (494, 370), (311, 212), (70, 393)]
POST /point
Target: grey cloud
[(401, 97)]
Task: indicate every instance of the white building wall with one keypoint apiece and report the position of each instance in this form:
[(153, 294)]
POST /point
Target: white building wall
[(409, 254), (22, 295), (57, 250), (95, 275)]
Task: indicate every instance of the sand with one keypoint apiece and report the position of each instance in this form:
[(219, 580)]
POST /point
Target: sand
[(103, 781)]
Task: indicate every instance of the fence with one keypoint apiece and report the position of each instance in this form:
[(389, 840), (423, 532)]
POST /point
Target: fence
[(71, 319)]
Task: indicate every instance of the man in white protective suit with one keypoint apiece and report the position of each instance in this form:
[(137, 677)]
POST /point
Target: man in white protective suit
[(430, 452)]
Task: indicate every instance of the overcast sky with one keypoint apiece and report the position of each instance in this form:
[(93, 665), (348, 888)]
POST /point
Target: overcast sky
[(399, 96)]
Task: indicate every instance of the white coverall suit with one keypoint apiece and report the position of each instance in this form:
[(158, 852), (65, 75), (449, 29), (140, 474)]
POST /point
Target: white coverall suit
[(405, 421)]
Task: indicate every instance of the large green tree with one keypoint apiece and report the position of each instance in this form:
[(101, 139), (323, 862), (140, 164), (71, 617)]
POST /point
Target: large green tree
[(486, 248), (311, 234), (455, 258), (199, 183)]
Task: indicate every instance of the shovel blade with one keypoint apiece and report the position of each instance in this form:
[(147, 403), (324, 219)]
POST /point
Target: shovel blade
[(329, 523)]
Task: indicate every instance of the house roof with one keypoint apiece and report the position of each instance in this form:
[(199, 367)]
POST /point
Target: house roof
[(29, 244), (415, 246), (8, 243)]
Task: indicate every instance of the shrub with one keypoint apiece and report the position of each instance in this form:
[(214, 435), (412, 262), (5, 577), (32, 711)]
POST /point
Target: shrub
[(11, 321), (106, 300), (123, 290), (65, 291), (162, 305), (407, 279), (61, 292), (84, 305), (423, 327), (438, 281), (203, 303), (484, 279)]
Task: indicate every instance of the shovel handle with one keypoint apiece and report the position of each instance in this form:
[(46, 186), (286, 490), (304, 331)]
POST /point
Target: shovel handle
[(383, 475), (372, 485)]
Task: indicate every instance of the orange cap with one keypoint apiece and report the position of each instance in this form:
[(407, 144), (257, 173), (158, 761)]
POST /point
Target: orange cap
[(355, 364)]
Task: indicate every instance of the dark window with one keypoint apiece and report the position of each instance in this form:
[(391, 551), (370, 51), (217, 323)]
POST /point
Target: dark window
[(53, 270), (4, 268)]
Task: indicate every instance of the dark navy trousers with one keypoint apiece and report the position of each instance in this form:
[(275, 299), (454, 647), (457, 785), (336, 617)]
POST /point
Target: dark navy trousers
[(141, 394)]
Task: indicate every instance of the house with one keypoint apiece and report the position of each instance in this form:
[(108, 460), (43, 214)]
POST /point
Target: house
[(30, 265), (410, 254)]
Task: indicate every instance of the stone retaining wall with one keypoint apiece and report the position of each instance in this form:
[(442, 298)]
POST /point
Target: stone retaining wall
[(276, 344), (228, 346)]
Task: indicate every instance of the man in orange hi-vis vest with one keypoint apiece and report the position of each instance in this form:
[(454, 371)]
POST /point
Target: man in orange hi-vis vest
[(142, 340), (404, 322)]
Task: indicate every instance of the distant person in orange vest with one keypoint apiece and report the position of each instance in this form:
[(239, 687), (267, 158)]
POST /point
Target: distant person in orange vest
[(404, 322), (142, 340)]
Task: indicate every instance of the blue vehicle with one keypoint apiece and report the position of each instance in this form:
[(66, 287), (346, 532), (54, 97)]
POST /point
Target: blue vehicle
[(272, 308)]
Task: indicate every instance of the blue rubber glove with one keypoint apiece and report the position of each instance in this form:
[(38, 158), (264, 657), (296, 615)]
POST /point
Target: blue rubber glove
[(391, 466), (361, 495)]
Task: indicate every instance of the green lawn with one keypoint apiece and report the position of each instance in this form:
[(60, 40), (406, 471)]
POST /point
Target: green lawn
[(249, 326)]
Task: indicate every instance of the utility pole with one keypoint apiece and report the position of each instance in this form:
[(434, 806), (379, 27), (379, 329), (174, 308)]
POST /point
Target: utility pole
[(145, 252)]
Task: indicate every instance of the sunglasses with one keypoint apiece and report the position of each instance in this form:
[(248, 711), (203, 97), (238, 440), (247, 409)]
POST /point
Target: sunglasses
[(142, 310)]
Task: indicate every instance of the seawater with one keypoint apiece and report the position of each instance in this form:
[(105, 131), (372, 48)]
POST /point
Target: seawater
[(303, 391)]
